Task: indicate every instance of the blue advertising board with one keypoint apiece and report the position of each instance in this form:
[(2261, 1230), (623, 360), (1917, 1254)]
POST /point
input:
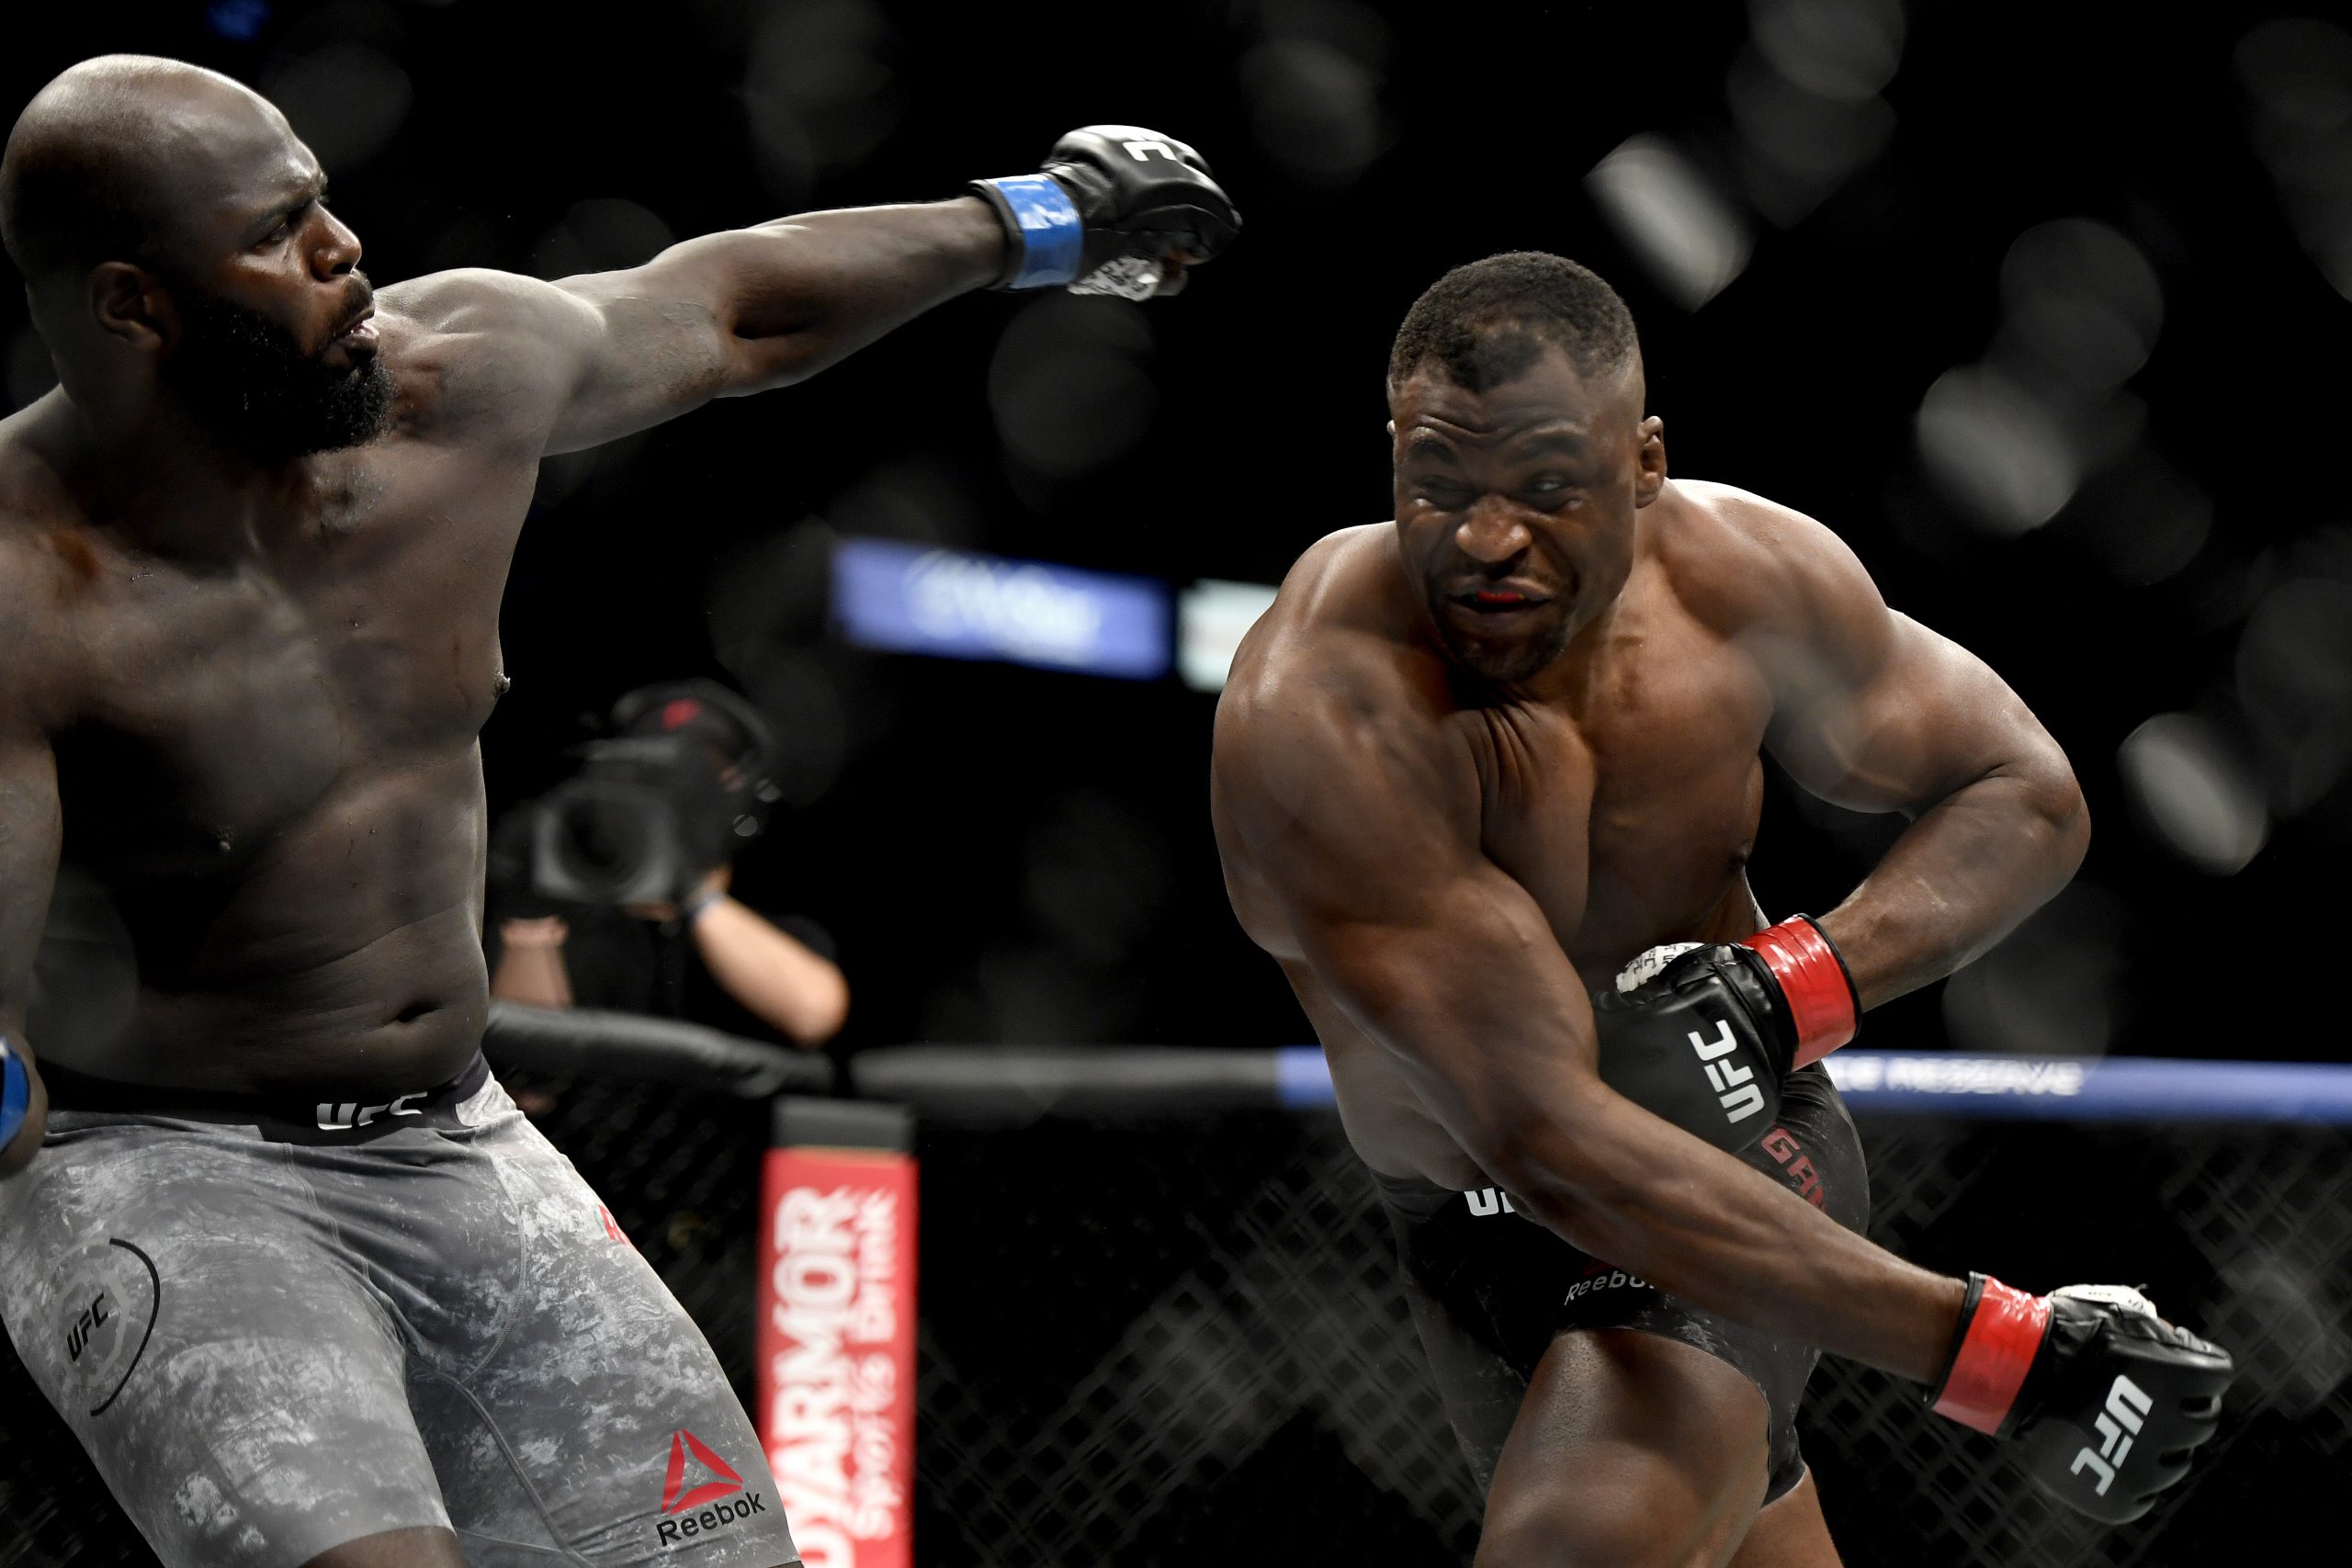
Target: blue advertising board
[(906, 598)]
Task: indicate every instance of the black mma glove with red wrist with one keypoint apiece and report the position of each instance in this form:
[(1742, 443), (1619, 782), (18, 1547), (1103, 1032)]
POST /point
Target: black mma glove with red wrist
[(1703, 1033), (2106, 1401)]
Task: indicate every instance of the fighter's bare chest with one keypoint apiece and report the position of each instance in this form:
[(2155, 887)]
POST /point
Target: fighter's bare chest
[(1629, 818), (219, 705)]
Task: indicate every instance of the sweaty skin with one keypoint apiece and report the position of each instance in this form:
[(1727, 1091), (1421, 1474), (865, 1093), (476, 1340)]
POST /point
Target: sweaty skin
[(243, 698), (1472, 761)]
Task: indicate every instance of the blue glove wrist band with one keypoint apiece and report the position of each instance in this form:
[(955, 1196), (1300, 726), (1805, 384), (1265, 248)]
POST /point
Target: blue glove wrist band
[(15, 1092), (1047, 226)]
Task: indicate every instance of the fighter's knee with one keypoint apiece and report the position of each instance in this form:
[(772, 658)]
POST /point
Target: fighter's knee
[(1586, 1529)]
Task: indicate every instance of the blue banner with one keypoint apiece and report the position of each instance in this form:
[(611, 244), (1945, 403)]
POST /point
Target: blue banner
[(913, 599)]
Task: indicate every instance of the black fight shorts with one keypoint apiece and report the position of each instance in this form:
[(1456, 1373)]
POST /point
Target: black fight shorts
[(1491, 1288)]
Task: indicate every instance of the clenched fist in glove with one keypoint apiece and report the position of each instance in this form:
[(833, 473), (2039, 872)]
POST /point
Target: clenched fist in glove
[(1703, 1033), (2107, 1401), (1118, 209)]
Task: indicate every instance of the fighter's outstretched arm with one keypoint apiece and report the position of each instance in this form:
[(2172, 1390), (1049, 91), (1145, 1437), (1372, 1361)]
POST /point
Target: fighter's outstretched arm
[(591, 358), (1362, 816), (1116, 208), (30, 832), (1876, 712)]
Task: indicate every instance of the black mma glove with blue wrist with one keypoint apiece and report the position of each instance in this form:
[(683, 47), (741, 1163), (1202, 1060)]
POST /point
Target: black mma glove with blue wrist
[(1113, 206)]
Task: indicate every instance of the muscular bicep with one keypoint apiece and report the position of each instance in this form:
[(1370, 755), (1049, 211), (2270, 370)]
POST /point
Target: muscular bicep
[(558, 367), (30, 830), (1363, 844), (1873, 711)]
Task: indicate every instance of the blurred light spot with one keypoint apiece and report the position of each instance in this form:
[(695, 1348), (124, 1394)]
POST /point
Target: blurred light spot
[(31, 371), (2084, 304), (818, 93), (1803, 145), (2300, 69), (1211, 618), (239, 20), (2052, 988), (347, 101), (1315, 110), (2141, 519), (1691, 240), (2294, 677), (2298, 73), (1067, 386), (2197, 797), (1840, 49), (1995, 450), (604, 234), (2296, 1351)]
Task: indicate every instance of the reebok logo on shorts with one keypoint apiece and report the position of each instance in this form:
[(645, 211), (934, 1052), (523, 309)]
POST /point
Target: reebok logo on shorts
[(683, 1499)]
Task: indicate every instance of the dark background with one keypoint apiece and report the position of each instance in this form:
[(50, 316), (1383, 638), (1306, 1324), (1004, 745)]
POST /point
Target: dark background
[(1006, 854)]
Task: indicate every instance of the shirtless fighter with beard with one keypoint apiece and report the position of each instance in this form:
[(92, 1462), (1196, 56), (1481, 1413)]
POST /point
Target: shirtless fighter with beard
[(289, 1262), (1477, 762)]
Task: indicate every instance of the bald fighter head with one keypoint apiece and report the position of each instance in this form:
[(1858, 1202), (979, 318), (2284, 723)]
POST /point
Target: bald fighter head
[(176, 249), (1521, 454)]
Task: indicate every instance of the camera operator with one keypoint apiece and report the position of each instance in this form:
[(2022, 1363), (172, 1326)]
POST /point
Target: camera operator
[(612, 891)]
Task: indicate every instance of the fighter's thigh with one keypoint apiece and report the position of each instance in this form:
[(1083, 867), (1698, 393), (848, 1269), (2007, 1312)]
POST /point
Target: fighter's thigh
[(234, 1382), (1631, 1450), (603, 1425)]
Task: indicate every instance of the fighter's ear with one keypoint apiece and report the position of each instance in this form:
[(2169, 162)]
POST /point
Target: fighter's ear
[(1649, 457), (130, 303)]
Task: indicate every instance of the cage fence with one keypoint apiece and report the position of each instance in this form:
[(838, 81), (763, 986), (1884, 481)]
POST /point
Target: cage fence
[(1157, 1336)]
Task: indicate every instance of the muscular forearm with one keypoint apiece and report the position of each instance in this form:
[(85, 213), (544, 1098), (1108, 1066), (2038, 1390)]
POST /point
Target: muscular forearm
[(1961, 878), (1700, 1225), (531, 967), (800, 293), (795, 991)]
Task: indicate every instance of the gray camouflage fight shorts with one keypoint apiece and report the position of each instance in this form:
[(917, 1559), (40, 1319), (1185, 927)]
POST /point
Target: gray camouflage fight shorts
[(274, 1338)]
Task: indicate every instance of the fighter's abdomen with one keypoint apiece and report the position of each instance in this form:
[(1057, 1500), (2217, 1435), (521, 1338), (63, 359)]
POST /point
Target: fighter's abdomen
[(344, 942)]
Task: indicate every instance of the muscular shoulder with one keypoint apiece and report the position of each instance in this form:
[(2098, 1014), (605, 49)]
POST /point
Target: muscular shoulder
[(1331, 697), (1331, 636), (476, 348), (1747, 566)]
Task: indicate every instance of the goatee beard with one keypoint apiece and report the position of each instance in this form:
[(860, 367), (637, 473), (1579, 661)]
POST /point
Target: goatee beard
[(1508, 665), (245, 376)]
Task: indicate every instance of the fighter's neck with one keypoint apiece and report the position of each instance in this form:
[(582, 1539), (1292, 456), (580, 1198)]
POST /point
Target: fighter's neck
[(166, 483)]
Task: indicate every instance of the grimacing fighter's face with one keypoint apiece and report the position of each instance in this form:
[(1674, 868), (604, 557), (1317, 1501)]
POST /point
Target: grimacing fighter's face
[(1515, 505)]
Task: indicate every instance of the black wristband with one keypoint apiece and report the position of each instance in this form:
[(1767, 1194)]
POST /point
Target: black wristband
[(1959, 1335)]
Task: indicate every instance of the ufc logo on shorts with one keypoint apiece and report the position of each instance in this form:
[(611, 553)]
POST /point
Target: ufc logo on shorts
[(351, 1113), (1137, 150), (1739, 1097), (2127, 1407), (1489, 1200)]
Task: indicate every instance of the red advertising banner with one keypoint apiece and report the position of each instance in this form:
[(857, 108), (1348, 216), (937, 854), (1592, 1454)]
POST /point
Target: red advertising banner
[(836, 1378)]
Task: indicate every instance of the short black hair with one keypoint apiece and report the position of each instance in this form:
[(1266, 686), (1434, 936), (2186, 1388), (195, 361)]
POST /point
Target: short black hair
[(1485, 324)]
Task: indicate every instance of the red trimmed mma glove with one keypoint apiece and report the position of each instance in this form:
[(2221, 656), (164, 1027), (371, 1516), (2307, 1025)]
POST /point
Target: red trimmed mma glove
[(1114, 204), (1703, 1033), (2106, 1401)]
